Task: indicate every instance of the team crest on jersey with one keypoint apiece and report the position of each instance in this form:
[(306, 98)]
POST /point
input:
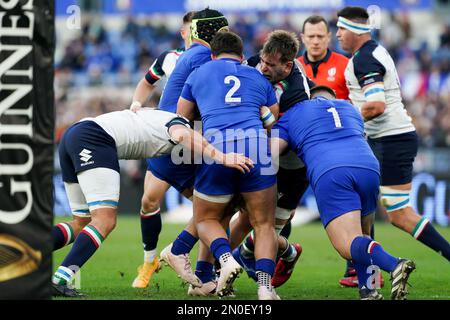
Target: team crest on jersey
[(85, 156), (331, 74)]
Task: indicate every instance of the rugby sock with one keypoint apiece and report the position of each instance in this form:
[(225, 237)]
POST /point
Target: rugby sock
[(428, 235), (84, 246), (219, 247), (205, 271), (62, 235), (366, 251), (289, 254), (361, 271), (350, 265), (183, 243), (286, 232), (265, 265), (150, 229), (265, 269), (248, 247), (149, 255)]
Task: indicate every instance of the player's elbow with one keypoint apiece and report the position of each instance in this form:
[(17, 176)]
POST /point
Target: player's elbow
[(373, 109)]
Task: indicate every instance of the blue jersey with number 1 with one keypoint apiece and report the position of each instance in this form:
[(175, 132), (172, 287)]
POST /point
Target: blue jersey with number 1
[(229, 95), (326, 134)]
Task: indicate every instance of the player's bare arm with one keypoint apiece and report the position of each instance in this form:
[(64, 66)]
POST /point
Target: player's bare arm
[(196, 142), (186, 108), (142, 92), (375, 103)]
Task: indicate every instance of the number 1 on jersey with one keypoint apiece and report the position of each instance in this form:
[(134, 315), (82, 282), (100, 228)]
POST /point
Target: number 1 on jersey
[(337, 120)]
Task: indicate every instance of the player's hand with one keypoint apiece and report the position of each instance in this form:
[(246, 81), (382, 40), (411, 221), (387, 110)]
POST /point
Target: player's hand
[(135, 106), (237, 161)]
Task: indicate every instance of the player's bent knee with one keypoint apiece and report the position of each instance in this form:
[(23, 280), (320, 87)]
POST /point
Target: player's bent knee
[(106, 223), (79, 223), (393, 199), (149, 205), (397, 217)]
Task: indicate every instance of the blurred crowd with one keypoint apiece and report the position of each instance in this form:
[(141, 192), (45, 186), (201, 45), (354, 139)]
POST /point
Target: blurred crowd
[(98, 70)]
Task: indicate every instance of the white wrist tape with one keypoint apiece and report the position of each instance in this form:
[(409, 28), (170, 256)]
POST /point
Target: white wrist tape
[(135, 105), (267, 118)]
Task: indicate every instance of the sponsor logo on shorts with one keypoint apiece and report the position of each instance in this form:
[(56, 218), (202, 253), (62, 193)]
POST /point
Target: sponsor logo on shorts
[(85, 156)]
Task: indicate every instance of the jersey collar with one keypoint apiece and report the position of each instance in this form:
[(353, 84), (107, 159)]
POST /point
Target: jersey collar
[(368, 42), (325, 59), (230, 59)]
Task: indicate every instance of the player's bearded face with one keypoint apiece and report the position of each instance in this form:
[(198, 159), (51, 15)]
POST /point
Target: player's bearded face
[(273, 69)]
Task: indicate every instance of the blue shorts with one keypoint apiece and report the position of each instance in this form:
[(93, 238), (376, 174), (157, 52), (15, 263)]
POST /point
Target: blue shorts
[(85, 145), (344, 189), (180, 176), (396, 156), (216, 179)]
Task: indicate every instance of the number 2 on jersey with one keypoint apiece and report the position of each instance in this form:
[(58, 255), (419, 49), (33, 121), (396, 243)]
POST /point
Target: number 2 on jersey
[(229, 96), (337, 120)]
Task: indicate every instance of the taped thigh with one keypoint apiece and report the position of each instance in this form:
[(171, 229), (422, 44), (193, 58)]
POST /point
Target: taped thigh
[(77, 201), (393, 199), (101, 187)]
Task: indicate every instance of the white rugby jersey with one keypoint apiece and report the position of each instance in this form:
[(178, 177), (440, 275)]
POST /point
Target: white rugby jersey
[(163, 65), (370, 64), (141, 134)]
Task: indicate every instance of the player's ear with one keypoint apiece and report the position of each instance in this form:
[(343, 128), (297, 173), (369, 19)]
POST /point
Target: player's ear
[(289, 65), (213, 57)]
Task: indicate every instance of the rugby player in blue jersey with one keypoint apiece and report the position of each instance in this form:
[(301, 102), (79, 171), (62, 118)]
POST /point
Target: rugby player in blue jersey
[(276, 62), (230, 98), (328, 135)]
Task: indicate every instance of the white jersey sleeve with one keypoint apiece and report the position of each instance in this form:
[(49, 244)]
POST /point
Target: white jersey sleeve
[(372, 64)]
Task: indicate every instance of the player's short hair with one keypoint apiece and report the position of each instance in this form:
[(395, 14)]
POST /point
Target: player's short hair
[(188, 17), (283, 42), (357, 14), (315, 19), (206, 23), (317, 90), (227, 42)]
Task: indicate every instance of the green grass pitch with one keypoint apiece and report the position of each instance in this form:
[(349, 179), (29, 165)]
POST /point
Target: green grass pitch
[(110, 272)]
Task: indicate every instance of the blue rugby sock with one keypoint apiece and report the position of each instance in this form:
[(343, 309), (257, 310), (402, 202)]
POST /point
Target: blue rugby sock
[(205, 271), (183, 243), (366, 251), (220, 246)]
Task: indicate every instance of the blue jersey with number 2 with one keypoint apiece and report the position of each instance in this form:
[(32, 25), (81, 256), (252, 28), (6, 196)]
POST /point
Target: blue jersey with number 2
[(229, 95)]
